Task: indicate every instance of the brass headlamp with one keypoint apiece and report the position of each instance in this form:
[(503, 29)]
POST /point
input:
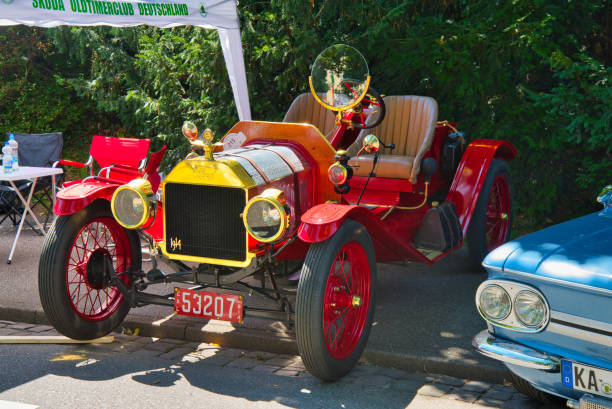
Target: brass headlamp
[(132, 203), (265, 216)]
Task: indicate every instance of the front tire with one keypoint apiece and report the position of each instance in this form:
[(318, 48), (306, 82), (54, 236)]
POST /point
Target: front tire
[(335, 302), (528, 390), (491, 222), (75, 291)]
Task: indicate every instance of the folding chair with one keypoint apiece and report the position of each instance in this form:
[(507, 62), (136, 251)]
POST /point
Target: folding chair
[(36, 150)]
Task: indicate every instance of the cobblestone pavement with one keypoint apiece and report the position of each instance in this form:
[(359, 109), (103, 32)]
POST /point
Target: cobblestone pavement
[(442, 388)]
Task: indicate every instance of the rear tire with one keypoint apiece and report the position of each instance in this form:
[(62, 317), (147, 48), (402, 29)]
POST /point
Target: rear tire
[(335, 302), (491, 221), (75, 293)]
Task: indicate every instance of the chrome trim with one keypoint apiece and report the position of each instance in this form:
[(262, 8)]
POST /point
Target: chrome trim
[(584, 322), (558, 281), (512, 353), (512, 322), (90, 164), (573, 404), (494, 268), (588, 401), (580, 334)]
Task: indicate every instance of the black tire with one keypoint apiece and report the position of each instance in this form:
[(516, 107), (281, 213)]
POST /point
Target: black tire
[(52, 282), (528, 390), (476, 236), (310, 299)]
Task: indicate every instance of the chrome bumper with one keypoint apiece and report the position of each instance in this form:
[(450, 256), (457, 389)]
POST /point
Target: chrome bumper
[(516, 354), (590, 402)]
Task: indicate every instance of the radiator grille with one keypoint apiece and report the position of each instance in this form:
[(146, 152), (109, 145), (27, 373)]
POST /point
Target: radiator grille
[(205, 220)]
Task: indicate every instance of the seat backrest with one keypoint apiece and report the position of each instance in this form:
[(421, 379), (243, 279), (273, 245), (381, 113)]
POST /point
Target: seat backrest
[(409, 124), (39, 149), (305, 109), (107, 150)]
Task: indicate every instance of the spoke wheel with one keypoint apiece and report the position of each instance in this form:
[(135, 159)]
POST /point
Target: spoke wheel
[(73, 279), (498, 209), (102, 240), (491, 221), (347, 295), (335, 301)]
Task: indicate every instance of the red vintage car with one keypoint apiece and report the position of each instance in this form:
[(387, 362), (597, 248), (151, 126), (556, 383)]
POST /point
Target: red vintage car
[(273, 199)]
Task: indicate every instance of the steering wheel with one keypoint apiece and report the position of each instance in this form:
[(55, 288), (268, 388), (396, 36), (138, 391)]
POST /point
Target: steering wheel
[(372, 99)]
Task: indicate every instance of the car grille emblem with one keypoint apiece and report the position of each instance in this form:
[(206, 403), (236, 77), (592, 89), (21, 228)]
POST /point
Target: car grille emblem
[(175, 244)]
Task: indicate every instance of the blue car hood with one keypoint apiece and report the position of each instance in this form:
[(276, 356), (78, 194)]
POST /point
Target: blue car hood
[(578, 251)]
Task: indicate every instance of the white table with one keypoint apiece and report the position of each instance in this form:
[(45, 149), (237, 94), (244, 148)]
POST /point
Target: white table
[(27, 172)]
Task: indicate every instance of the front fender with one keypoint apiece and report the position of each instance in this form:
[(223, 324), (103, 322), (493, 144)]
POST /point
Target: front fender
[(320, 222), (471, 174), (77, 196)]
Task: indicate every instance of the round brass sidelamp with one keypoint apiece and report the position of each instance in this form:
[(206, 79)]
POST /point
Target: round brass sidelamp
[(337, 174), (190, 130), (371, 144), (265, 216), (132, 203)]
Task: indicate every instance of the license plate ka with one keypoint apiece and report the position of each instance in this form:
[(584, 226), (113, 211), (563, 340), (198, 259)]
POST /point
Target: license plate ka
[(586, 378), (206, 304)]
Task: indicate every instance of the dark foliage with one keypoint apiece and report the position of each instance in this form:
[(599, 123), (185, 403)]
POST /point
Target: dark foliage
[(535, 72)]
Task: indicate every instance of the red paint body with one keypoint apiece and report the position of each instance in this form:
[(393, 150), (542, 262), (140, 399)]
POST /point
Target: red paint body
[(314, 220), (471, 174), (78, 194), (393, 236)]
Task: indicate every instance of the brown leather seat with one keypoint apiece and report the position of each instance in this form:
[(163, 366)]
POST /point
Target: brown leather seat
[(305, 109), (409, 124)]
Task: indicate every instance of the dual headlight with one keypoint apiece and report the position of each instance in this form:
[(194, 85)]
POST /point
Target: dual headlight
[(512, 305), (265, 216), (132, 203)]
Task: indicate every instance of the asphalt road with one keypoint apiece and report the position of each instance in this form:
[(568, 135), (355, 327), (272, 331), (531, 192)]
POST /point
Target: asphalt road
[(140, 372), (425, 316), (52, 376)]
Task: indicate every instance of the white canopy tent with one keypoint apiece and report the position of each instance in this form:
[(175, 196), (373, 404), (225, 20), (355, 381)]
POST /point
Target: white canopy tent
[(218, 14)]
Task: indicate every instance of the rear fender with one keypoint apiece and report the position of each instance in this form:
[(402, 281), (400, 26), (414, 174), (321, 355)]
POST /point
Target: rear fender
[(471, 174), (321, 222), (77, 196)]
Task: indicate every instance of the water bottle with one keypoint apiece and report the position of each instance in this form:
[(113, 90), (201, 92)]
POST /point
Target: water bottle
[(7, 158), (15, 150)]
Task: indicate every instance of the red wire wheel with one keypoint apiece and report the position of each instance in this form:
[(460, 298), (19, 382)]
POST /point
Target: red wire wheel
[(74, 285), (498, 210), (491, 222), (347, 297), (335, 301), (89, 289)]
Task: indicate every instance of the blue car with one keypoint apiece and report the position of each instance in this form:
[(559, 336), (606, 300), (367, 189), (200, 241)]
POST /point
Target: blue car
[(548, 306)]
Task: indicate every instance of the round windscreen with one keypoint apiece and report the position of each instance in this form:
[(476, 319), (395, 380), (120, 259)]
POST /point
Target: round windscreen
[(340, 76), (129, 208)]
